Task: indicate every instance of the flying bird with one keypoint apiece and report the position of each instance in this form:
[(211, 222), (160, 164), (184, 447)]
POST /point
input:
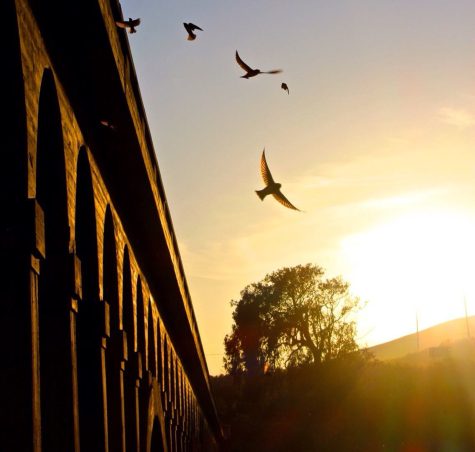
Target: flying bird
[(130, 24), (285, 87), (272, 188), (253, 72), (106, 123), (190, 28)]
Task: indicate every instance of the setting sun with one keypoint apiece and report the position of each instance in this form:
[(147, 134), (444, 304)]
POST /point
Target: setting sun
[(422, 262)]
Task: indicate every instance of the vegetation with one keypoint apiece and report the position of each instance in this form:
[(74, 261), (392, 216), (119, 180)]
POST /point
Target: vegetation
[(296, 380), (350, 404), (293, 316)]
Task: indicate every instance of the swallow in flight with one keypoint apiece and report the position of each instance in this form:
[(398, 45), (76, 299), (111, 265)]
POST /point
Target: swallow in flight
[(272, 188), (190, 28), (130, 24), (252, 72), (106, 123)]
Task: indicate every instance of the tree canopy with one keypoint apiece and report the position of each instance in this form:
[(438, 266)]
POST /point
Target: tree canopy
[(293, 316)]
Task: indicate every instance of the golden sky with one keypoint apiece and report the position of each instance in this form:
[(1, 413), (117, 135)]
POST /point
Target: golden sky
[(376, 143)]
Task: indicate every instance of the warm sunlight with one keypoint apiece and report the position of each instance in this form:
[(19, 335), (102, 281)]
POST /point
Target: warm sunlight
[(422, 262), (375, 149), (238, 226)]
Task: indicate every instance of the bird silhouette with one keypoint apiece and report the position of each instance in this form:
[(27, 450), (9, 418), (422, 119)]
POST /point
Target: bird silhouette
[(190, 28), (285, 87), (106, 123), (130, 24), (272, 188), (253, 72)]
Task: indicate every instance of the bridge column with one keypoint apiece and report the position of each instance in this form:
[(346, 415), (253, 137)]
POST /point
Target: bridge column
[(34, 273), (104, 344), (132, 375), (21, 252), (37, 240), (76, 286), (115, 362), (36, 219), (132, 382), (122, 389)]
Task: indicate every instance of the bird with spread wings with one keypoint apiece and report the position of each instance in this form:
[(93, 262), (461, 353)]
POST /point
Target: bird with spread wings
[(272, 187), (253, 72), (130, 24), (190, 28)]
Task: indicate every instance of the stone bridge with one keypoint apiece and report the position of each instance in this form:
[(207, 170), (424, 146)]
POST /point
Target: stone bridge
[(100, 349)]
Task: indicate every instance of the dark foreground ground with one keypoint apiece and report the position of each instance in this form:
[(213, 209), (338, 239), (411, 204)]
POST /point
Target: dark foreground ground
[(355, 404)]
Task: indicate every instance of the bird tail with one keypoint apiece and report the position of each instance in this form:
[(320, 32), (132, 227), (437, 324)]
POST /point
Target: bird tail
[(261, 194)]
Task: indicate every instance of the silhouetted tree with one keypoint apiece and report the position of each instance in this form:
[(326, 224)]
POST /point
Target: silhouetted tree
[(293, 316)]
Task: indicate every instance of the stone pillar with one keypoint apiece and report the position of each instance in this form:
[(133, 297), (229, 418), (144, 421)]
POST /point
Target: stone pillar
[(76, 286), (34, 271), (104, 343), (22, 249)]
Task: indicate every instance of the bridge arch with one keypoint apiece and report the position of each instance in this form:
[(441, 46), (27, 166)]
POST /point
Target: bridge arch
[(151, 343), (140, 319), (114, 352), (89, 327), (130, 376), (55, 321), (110, 278), (127, 301), (156, 429)]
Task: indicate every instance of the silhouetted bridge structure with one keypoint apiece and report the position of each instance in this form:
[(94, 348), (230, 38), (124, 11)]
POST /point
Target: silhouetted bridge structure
[(100, 349)]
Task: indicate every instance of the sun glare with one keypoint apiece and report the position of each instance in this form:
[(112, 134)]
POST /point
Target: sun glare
[(422, 263)]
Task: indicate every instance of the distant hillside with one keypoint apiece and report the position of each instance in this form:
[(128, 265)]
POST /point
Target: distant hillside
[(433, 341)]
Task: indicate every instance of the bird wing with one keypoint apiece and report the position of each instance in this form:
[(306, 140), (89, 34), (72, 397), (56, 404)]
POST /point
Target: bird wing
[(135, 22), (195, 27), (275, 71), (121, 24), (265, 171), (242, 64), (284, 201)]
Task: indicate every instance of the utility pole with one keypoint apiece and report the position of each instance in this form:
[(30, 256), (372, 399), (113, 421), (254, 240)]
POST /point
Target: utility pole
[(466, 316), (417, 331)]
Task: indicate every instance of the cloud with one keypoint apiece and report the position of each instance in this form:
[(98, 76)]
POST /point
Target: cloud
[(456, 117)]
